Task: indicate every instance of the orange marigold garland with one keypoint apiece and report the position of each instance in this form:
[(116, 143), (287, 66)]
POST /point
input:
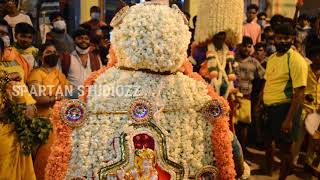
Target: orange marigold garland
[(58, 160)]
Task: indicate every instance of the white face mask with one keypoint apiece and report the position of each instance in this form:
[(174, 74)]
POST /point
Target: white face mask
[(6, 41), (262, 23), (82, 51), (95, 16), (60, 25)]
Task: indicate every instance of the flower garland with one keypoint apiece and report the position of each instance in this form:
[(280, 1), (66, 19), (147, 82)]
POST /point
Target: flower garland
[(151, 37), (61, 149), (223, 148), (211, 22), (222, 145), (31, 132)]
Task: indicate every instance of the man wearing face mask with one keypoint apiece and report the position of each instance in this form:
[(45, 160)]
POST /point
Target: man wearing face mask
[(48, 85), (262, 20), (283, 94), (81, 62), (58, 35), (95, 22)]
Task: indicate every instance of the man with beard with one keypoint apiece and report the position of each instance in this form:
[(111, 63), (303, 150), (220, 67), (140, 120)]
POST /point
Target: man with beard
[(248, 69), (81, 62), (283, 94)]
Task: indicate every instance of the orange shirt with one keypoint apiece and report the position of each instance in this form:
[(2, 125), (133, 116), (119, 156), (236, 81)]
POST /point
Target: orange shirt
[(10, 54), (252, 30)]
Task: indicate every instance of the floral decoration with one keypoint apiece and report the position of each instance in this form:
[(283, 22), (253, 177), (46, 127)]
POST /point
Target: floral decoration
[(150, 37), (153, 37), (61, 149), (141, 111), (73, 113)]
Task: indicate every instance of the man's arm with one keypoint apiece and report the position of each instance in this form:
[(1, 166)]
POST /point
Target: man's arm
[(297, 100)]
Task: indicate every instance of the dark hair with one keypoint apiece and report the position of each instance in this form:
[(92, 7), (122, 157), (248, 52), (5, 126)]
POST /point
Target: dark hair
[(85, 26), (246, 40), (304, 17), (262, 14), (313, 46), (313, 51), (55, 15), (285, 29), (95, 9), (1, 46), (80, 32), (276, 20), (194, 20), (24, 28), (252, 6), (44, 46), (260, 45), (288, 20), (267, 29), (4, 22)]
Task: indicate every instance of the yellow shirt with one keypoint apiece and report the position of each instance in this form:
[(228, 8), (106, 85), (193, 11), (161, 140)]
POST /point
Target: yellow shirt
[(313, 89), (277, 76), (23, 96), (52, 82)]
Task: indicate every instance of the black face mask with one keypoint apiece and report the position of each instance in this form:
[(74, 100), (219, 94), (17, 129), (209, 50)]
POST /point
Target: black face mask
[(51, 60), (283, 47)]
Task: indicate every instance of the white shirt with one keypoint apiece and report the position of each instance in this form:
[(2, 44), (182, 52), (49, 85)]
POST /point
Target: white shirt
[(13, 21), (77, 72)]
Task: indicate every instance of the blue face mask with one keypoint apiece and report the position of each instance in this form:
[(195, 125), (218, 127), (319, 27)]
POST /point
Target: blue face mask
[(95, 15)]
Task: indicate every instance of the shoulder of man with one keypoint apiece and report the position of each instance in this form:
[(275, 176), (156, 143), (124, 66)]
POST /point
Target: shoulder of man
[(296, 55)]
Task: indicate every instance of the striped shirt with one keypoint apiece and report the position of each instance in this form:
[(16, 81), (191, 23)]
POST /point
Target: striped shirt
[(248, 70)]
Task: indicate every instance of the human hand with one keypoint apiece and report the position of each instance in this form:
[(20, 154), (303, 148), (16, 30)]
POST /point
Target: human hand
[(30, 111), (286, 126)]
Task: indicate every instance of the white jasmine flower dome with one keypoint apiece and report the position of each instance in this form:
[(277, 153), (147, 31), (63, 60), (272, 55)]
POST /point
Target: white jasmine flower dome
[(152, 37)]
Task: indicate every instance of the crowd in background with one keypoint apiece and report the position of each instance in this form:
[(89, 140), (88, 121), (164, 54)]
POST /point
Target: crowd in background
[(276, 86), (261, 58)]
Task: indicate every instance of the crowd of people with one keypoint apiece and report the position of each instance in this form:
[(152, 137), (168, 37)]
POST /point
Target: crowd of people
[(275, 89), (270, 79)]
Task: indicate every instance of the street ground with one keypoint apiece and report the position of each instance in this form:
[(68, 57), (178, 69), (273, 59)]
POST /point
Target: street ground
[(255, 158)]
